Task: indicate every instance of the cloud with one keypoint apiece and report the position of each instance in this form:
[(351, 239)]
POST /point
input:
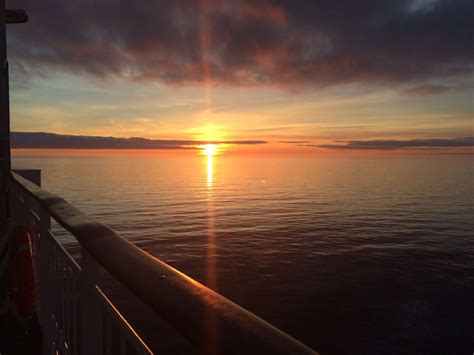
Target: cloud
[(41, 140), (293, 142), (428, 89), (247, 42), (400, 144)]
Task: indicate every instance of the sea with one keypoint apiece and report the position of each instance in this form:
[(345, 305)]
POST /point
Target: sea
[(348, 254)]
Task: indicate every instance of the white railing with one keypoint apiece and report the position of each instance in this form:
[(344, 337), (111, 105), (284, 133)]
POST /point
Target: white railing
[(75, 315)]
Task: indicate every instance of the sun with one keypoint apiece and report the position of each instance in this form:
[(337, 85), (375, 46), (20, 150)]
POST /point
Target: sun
[(209, 149)]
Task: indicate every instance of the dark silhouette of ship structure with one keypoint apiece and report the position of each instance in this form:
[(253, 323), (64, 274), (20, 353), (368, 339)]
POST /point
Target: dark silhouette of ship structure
[(72, 313)]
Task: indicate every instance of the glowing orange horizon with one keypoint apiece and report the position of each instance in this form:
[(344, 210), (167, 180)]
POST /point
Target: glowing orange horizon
[(266, 150)]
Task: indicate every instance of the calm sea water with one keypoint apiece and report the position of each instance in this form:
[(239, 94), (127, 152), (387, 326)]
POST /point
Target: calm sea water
[(349, 255)]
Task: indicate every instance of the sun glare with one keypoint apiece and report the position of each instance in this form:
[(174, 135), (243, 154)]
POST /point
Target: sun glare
[(210, 149)]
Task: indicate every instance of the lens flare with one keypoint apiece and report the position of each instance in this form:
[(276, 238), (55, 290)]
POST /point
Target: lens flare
[(210, 149)]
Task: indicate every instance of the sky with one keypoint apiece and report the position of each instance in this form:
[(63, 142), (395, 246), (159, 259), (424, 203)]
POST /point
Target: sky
[(298, 76)]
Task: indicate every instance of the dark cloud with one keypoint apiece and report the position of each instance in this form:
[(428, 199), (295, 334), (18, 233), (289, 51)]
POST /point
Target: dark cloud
[(400, 144), (33, 140), (247, 42), (432, 89)]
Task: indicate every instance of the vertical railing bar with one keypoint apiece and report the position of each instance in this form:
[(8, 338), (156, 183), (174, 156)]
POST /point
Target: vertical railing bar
[(63, 299), (91, 325), (76, 318), (58, 289), (59, 285), (48, 275), (43, 277), (58, 300), (71, 307), (123, 346), (54, 276), (68, 305), (124, 328), (108, 334), (51, 291), (55, 298)]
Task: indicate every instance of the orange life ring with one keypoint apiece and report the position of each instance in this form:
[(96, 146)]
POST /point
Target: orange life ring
[(21, 274)]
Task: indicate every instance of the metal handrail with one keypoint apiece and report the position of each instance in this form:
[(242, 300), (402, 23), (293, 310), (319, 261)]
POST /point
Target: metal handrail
[(183, 302)]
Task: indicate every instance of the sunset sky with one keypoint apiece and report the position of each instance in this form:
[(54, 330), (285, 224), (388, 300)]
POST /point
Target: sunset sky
[(302, 76)]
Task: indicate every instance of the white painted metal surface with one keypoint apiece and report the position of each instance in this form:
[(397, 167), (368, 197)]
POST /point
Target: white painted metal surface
[(75, 314)]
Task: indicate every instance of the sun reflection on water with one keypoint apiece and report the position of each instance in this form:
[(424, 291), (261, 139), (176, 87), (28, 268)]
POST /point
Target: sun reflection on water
[(210, 171), (210, 327)]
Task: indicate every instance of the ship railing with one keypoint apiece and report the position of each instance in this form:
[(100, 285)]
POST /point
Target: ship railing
[(75, 314)]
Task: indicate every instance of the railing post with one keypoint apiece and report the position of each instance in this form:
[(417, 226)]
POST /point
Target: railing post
[(5, 163), (90, 311), (44, 278)]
